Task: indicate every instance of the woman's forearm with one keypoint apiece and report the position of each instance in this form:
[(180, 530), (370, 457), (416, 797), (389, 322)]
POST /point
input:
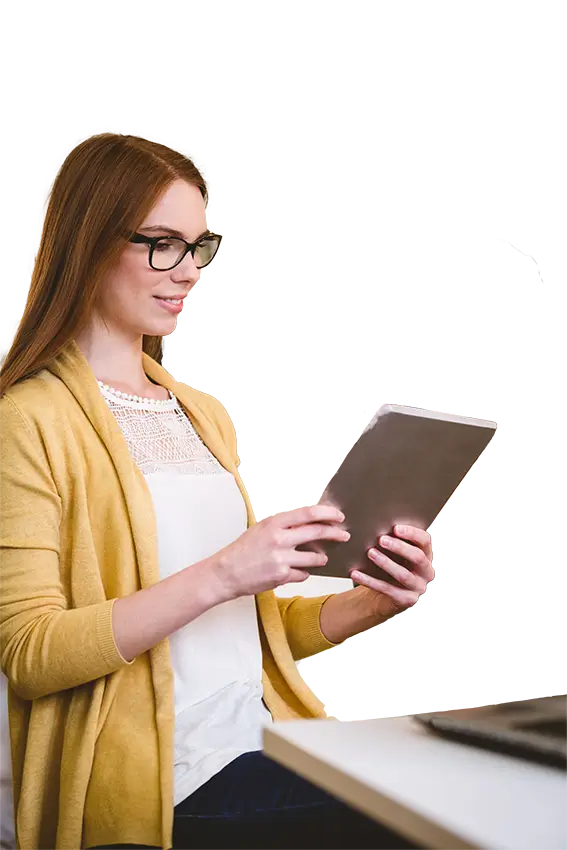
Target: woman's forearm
[(346, 614), (141, 620)]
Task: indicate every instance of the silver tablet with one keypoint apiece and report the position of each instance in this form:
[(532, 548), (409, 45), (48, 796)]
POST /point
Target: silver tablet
[(402, 470)]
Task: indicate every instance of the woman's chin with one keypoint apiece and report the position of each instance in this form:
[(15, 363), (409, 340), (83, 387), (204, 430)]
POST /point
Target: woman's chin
[(162, 328)]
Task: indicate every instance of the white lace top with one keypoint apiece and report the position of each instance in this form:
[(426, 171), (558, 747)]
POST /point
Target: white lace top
[(217, 658), (161, 437)]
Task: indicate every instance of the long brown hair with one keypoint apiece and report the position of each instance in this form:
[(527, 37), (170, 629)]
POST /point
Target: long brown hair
[(107, 184)]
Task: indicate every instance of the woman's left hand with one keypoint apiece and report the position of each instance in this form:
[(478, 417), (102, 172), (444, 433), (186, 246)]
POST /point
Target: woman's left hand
[(414, 545)]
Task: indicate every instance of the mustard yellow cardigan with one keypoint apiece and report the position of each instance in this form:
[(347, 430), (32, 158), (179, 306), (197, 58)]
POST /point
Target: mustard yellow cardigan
[(91, 734)]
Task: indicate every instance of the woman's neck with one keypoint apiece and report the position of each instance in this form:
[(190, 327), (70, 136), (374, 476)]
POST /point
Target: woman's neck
[(118, 366)]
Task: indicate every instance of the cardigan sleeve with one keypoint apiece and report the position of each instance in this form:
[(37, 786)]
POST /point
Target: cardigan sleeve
[(45, 645), (301, 620)]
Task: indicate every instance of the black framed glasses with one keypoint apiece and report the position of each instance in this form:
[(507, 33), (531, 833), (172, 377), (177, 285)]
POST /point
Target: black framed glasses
[(166, 252)]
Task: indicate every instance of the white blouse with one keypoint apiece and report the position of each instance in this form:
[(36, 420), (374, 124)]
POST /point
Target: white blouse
[(217, 658)]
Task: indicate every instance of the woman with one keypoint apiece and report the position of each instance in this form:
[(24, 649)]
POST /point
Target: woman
[(142, 641)]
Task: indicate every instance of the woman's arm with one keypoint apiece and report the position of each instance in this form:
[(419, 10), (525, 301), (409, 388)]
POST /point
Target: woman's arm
[(347, 614), (313, 624), (141, 620)]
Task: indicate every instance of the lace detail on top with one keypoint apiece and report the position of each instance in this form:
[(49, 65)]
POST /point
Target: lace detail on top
[(162, 439)]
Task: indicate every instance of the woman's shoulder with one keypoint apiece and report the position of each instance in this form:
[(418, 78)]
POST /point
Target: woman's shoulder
[(216, 412), (208, 403), (34, 397)]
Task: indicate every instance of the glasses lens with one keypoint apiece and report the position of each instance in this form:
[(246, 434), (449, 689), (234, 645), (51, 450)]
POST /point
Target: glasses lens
[(205, 251), (167, 252)]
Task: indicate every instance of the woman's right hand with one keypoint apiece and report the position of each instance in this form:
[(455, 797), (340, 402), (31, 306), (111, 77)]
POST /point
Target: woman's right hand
[(264, 556)]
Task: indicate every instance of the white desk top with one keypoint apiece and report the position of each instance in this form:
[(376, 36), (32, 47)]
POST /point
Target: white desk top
[(436, 792)]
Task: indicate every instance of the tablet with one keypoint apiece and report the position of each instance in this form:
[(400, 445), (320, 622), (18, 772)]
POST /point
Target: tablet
[(402, 470)]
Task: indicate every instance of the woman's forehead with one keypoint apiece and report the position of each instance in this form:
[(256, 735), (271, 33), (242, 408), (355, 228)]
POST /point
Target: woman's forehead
[(181, 208)]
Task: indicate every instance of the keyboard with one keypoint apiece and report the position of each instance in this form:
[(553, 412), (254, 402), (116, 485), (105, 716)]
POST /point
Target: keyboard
[(534, 729)]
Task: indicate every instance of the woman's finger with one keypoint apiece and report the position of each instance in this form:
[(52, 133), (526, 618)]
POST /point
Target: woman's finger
[(402, 575), (409, 552), (401, 597)]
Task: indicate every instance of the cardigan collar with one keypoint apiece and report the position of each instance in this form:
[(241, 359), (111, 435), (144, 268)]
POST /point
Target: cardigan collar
[(73, 369)]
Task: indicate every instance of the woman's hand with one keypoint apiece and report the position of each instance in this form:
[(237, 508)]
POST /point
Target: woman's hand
[(414, 546), (264, 557)]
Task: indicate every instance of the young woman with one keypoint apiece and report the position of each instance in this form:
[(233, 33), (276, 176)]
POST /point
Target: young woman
[(142, 642)]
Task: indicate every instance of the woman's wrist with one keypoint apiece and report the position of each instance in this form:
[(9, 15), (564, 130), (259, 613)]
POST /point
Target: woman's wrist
[(141, 620), (205, 580), (347, 614)]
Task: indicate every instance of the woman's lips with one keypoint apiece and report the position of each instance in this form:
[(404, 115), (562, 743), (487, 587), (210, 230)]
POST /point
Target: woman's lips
[(173, 308)]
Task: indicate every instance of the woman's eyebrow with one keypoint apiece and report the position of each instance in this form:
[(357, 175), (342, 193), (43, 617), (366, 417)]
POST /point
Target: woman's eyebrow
[(163, 228)]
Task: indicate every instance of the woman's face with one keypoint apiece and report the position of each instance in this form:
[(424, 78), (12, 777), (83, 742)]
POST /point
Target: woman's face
[(128, 300)]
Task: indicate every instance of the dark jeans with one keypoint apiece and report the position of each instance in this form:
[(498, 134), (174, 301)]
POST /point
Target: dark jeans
[(254, 802)]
